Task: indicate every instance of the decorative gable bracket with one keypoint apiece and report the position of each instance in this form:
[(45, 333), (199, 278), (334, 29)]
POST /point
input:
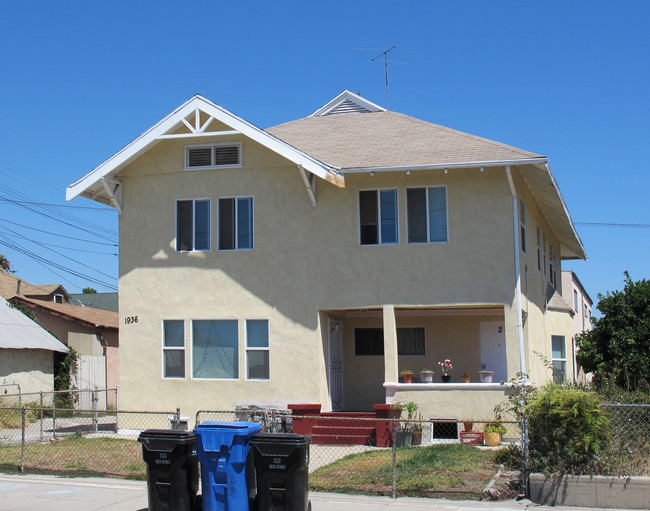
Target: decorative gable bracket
[(310, 184), (197, 129), (113, 188)]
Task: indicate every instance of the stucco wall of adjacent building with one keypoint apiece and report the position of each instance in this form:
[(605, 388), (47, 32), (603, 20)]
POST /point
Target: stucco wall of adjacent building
[(33, 370), (305, 260)]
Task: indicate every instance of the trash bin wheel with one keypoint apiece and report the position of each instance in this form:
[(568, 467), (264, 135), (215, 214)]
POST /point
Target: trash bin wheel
[(309, 505), (198, 503)]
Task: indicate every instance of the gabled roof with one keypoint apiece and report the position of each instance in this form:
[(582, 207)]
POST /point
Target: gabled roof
[(187, 121), (9, 286), (97, 318), (19, 332)]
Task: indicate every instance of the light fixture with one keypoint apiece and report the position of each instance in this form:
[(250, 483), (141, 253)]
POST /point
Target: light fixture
[(446, 171), (408, 172), (482, 168), (372, 172)]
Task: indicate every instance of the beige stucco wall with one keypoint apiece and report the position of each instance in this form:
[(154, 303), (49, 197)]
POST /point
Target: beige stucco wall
[(305, 260), (33, 370)]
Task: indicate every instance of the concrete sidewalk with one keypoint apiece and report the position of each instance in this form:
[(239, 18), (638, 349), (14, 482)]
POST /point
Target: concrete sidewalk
[(44, 493)]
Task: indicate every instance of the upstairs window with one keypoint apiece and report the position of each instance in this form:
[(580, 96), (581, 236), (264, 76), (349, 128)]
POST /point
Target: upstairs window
[(236, 223), (192, 225), (209, 156), (378, 217), (427, 214)]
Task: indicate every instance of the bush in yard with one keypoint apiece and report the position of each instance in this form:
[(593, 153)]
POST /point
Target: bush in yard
[(567, 430)]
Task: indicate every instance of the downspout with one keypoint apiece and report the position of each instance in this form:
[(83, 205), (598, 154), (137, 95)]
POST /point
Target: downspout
[(520, 326)]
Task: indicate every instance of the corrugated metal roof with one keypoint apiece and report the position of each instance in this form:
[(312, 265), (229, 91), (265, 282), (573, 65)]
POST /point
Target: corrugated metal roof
[(19, 332)]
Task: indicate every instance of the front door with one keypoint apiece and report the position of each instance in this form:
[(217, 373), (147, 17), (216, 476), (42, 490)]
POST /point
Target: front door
[(336, 363), (493, 349)]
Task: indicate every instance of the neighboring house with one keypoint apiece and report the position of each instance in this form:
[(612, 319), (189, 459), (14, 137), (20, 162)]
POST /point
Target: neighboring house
[(581, 304), (93, 333), (106, 301), (26, 353), (10, 285), (314, 261)]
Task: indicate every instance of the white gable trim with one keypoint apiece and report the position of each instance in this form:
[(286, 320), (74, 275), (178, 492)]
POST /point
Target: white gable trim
[(346, 95), (161, 130)]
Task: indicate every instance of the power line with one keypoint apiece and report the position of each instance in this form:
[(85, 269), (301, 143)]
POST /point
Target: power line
[(59, 235), (43, 244), (606, 224), (68, 206)]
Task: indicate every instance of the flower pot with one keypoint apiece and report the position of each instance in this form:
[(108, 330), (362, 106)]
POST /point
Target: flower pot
[(426, 377), (492, 438), (466, 379), (446, 378), (486, 376), (416, 437), (467, 425), (403, 437), (407, 377)]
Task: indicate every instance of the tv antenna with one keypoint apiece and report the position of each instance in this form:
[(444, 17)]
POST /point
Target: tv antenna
[(383, 53)]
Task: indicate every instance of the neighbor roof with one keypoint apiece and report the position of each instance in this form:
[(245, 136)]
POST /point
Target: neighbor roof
[(19, 332), (106, 301), (97, 318), (9, 287)]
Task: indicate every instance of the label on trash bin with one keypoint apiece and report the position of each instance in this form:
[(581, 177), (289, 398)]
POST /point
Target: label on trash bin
[(274, 466), (163, 462)]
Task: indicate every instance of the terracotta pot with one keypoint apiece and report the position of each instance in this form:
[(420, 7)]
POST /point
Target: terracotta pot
[(467, 425), (408, 377), (466, 379), (416, 438)]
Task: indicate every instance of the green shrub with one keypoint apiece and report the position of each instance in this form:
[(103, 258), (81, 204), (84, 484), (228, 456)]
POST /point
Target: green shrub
[(567, 430)]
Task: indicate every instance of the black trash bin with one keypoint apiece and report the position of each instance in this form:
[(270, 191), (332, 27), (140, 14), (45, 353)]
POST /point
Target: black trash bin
[(282, 471), (172, 469)]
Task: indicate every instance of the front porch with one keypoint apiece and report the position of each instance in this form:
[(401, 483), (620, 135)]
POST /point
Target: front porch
[(368, 349)]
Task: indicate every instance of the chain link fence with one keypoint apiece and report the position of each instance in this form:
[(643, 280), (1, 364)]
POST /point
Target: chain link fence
[(99, 399), (628, 452)]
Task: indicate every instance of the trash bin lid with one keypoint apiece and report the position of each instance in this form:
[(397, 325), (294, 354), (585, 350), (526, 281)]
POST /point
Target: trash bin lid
[(236, 427), (165, 440), (281, 438)]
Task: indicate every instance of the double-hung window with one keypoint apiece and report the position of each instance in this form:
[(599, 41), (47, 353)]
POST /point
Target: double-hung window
[(427, 214), (257, 349), (558, 358), (215, 348), (236, 223), (192, 225), (378, 217), (173, 348)]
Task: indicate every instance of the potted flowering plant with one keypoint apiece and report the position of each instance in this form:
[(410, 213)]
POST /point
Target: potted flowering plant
[(445, 367), (465, 376)]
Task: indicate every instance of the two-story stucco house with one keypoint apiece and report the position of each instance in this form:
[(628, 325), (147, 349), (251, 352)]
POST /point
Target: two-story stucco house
[(314, 261)]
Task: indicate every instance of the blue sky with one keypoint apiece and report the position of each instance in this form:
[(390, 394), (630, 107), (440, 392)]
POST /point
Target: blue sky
[(79, 80)]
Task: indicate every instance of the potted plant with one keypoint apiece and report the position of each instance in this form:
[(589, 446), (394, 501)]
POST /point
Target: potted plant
[(445, 367), (426, 376), (407, 376), (416, 437), (493, 431), (486, 376), (465, 376), (410, 434)]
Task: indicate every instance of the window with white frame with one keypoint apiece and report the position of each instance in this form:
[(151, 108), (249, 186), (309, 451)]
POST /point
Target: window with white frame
[(558, 358), (378, 223), (192, 225), (426, 210), (215, 348), (236, 223), (257, 349), (208, 156), (522, 219), (173, 348)]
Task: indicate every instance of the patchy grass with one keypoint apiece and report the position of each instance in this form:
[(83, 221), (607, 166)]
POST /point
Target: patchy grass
[(78, 457), (453, 471)]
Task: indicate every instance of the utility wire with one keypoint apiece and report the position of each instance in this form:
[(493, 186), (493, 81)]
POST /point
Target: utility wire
[(59, 235), (605, 224), (43, 244)]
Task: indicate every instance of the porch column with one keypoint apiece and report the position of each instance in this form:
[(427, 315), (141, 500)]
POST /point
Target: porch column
[(391, 368)]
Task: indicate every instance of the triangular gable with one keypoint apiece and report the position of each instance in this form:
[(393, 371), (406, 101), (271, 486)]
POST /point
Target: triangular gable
[(346, 103), (198, 118)]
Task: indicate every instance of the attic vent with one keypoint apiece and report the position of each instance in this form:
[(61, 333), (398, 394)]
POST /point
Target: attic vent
[(348, 107), (213, 155)]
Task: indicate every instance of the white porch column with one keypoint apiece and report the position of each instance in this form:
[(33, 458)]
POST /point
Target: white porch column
[(391, 369)]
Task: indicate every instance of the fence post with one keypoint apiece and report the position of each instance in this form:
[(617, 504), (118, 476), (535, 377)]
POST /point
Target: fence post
[(94, 399), (524, 431), (40, 413), (117, 407), (54, 416), (394, 495), (22, 442)]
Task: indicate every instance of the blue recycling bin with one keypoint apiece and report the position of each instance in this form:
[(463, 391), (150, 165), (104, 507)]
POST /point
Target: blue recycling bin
[(227, 470)]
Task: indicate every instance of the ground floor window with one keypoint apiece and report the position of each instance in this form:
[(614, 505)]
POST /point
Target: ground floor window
[(370, 341), (558, 350), (173, 348), (215, 348), (257, 349)]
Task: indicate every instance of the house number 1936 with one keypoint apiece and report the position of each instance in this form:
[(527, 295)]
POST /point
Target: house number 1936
[(130, 319)]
